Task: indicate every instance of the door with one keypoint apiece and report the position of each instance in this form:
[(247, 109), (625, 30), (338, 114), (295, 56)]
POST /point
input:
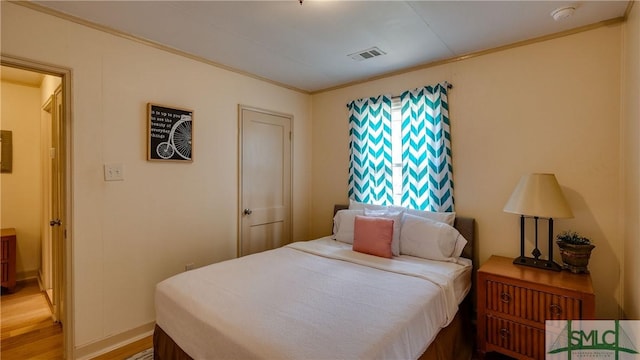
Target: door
[(53, 200), (57, 201), (265, 176)]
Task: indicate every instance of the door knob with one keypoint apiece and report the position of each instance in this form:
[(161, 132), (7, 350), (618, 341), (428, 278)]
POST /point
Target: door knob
[(55, 222), (247, 211)]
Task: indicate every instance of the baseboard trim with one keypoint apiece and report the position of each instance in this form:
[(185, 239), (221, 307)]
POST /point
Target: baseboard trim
[(26, 275), (97, 348)]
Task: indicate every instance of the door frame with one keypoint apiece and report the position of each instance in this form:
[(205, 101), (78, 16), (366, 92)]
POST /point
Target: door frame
[(66, 290), (242, 107)]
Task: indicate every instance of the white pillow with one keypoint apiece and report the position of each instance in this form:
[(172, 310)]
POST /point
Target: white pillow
[(343, 225), (445, 217), (356, 205), (396, 216), (429, 239)]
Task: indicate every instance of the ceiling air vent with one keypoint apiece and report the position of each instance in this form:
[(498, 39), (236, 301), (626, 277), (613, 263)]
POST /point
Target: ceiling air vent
[(367, 54)]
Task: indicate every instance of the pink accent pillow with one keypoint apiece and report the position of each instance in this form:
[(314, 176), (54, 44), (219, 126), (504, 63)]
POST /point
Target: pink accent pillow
[(373, 235)]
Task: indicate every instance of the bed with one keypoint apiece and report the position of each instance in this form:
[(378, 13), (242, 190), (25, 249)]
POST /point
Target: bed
[(319, 299)]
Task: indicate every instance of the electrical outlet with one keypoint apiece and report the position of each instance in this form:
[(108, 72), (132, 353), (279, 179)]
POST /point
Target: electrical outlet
[(189, 266), (113, 172)]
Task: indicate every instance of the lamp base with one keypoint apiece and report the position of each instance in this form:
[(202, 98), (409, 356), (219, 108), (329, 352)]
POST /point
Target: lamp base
[(538, 263)]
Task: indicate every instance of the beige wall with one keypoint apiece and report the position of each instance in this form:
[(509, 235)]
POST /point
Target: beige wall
[(552, 106), (21, 189), (128, 235), (631, 161)]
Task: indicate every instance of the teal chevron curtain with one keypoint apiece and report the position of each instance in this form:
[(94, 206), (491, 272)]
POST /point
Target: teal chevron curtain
[(427, 176), (370, 161)]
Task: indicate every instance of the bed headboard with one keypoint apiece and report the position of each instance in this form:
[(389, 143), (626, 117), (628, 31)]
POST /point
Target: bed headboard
[(465, 225)]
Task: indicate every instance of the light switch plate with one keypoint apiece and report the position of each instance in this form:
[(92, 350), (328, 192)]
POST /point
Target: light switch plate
[(113, 172)]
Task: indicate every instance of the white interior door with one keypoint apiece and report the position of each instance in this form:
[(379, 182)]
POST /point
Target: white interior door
[(46, 267), (53, 201), (265, 175), (57, 203)]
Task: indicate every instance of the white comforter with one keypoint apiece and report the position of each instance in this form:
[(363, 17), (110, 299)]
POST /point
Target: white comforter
[(310, 300)]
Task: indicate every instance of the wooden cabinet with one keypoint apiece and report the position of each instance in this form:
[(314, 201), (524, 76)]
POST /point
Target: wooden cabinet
[(514, 301), (8, 270)]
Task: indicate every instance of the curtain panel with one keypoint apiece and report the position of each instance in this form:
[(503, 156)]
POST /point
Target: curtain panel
[(370, 160), (427, 175)]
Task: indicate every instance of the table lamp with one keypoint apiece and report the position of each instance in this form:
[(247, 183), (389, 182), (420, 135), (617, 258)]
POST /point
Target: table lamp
[(538, 196)]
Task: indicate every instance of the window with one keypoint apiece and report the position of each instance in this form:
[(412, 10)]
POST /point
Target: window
[(396, 149), (400, 151)]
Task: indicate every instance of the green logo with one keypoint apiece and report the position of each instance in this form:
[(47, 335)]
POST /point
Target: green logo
[(593, 339)]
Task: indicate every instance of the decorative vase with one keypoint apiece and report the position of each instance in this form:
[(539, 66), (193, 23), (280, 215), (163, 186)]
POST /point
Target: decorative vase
[(575, 258)]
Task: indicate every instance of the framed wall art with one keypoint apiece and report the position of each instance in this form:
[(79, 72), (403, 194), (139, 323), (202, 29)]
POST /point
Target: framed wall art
[(6, 151), (170, 135)]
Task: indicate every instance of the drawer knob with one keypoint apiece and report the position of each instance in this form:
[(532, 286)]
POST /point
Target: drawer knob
[(504, 333), (505, 297), (555, 309)]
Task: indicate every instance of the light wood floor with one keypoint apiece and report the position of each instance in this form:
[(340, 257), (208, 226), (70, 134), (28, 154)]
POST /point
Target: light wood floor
[(27, 331)]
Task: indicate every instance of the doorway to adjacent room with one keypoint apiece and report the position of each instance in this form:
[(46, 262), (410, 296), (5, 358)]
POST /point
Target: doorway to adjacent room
[(40, 143)]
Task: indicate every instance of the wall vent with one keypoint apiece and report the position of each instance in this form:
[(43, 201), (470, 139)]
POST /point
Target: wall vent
[(367, 54)]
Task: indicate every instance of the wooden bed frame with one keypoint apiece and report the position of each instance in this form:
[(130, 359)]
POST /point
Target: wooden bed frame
[(454, 342)]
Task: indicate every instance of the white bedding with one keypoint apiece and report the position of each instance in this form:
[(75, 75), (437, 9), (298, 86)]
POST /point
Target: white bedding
[(311, 300)]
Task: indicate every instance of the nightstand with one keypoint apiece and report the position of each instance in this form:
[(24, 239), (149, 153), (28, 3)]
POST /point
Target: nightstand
[(514, 301), (8, 251)]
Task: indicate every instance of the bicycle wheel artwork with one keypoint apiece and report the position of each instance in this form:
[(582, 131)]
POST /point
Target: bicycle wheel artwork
[(165, 150), (181, 136), (170, 134)]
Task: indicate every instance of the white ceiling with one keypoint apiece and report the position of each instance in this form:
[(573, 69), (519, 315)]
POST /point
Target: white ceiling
[(307, 46)]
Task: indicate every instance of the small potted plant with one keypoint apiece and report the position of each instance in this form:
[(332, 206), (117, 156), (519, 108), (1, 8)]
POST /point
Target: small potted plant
[(575, 251)]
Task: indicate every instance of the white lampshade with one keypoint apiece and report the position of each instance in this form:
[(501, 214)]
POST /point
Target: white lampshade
[(539, 195)]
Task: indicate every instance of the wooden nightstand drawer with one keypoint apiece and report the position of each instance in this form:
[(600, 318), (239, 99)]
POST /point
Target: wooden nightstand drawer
[(514, 301), (5, 250), (515, 338), (8, 252), (530, 304), (4, 272)]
